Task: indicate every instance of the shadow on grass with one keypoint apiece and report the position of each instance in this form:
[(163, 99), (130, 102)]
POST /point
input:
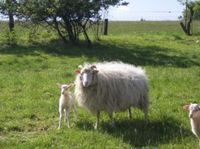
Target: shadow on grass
[(108, 51), (135, 133)]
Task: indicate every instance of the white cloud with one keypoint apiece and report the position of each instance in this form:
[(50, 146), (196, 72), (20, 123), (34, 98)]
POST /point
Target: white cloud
[(147, 9)]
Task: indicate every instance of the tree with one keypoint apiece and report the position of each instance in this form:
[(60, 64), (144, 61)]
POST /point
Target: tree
[(8, 7), (192, 9), (197, 11), (70, 18)]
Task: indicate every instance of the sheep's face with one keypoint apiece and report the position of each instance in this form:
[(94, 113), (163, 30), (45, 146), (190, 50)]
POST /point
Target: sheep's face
[(192, 109), (64, 88), (88, 76)]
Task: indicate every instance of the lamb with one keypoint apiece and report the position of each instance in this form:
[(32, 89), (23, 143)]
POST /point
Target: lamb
[(112, 87), (66, 101), (194, 115)]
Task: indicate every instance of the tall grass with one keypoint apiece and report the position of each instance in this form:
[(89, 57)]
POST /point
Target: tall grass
[(29, 95)]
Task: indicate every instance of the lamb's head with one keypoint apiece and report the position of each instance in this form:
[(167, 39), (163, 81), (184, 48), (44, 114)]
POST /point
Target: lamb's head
[(88, 75), (192, 108), (64, 88)]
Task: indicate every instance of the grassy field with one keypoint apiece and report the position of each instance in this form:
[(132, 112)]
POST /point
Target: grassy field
[(29, 95)]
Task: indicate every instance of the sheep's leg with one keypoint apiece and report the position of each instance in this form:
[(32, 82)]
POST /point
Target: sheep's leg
[(129, 113), (60, 119), (146, 116), (67, 118), (112, 123), (97, 120)]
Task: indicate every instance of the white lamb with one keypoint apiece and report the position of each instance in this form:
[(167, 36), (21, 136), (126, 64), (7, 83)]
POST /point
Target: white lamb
[(194, 115), (66, 101), (112, 87)]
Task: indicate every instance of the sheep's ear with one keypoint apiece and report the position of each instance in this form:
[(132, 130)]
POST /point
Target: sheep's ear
[(93, 67), (198, 107), (95, 71), (186, 107), (80, 66)]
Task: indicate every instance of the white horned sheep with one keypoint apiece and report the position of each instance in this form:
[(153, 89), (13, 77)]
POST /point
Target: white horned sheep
[(194, 115), (66, 102), (112, 87)]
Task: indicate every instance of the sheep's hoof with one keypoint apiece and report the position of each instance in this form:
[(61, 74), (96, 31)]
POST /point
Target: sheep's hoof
[(58, 128)]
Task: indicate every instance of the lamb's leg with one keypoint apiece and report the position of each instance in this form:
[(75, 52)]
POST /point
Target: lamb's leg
[(112, 122), (75, 111), (67, 118), (97, 120), (129, 113), (60, 118)]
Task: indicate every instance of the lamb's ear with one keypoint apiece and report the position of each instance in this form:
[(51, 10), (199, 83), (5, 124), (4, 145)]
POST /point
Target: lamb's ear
[(70, 85), (186, 107), (59, 85)]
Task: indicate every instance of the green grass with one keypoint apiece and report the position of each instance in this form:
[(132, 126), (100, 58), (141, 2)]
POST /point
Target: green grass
[(29, 94)]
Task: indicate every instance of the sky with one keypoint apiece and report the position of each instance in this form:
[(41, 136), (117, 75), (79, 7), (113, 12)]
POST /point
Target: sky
[(144, 9), (147, 9)]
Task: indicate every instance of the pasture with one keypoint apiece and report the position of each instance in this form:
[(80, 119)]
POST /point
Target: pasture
[(29, 95)]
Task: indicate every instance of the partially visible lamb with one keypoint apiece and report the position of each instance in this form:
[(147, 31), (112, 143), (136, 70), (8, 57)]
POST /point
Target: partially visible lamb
[(194, 115), (112, 87), (66, 102)]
